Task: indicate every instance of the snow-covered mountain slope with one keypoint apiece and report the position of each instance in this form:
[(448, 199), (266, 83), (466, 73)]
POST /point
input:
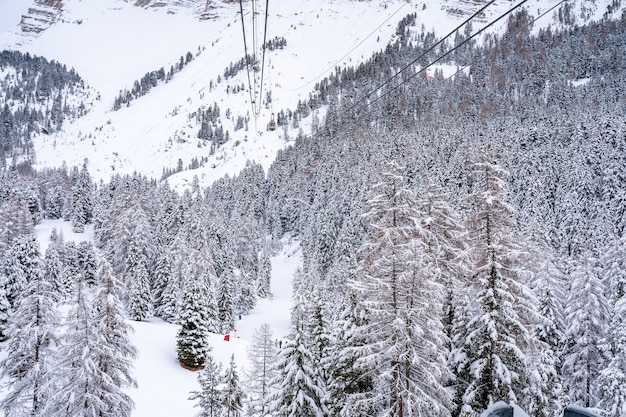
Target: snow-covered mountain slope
[(112, 43)]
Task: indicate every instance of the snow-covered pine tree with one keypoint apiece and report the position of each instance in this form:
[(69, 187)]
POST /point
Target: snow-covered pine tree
[(232, 395), (55, 271), (262, 358), (612, 379), (544, 393), (136, 272), (225, 303), (116, 354), (15, 220), (21, 264), (165, 287), (263, 287), (31, 329), (498, 335), (192, 343), (347, 382), (209, 398), (82, 201), (297, 394), (397, 285), (586, 315)]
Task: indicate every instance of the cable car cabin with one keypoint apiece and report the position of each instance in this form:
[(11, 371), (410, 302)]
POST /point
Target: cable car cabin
[(272, 124)]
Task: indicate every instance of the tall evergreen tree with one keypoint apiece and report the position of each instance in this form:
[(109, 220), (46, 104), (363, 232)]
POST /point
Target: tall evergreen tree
[(192, 338), (297, 394), (499, 335), (81, 387), (116, 353), (82, 201), (137, 274), (209, 398), (233, 395), (32, 332), (586, 316)]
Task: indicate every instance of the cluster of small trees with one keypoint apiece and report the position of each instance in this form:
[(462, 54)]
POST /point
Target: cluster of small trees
[(150, 80)]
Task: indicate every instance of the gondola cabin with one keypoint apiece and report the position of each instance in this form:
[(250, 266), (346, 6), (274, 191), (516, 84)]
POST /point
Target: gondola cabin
[(272, 124)]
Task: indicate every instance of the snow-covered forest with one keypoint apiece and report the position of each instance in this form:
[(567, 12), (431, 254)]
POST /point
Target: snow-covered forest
[(463, 240)]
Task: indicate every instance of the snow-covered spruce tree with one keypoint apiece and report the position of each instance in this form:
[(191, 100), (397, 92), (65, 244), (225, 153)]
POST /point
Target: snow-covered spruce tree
[(21, 264), (232, 395), (116, 354), (544, 393), (264, 275), (209, 398), (448, 246), (498, 334), (586, 316), (31, 329), (166, 287), (192, 338), (262, 358), (349, 383), (612, 379), (225, 303), (82, 204), (55, 271), (396, 283), (296, 393), (136, 273)]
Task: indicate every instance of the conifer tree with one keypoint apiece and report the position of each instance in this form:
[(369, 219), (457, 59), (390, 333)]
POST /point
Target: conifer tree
[(166, 288), (350, 377), (31, 329), (498, 334), (232, 399), (209, 398), (612, 378), (586, 316), (79, 382), (116, 354), (192, 338), (263, 288), (397, 286), (21, 264), (225, 302), (82, 204), (262, 358), (55, 271), (297, 394), (137, 275)]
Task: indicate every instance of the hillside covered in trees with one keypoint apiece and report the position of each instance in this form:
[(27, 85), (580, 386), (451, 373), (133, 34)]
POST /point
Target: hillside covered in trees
[(463, 243)]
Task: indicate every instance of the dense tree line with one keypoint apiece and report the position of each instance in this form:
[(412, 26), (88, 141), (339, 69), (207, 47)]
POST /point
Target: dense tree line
[(36, 96)]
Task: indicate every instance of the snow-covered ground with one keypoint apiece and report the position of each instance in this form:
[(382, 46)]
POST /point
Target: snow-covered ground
[(164, 386)]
